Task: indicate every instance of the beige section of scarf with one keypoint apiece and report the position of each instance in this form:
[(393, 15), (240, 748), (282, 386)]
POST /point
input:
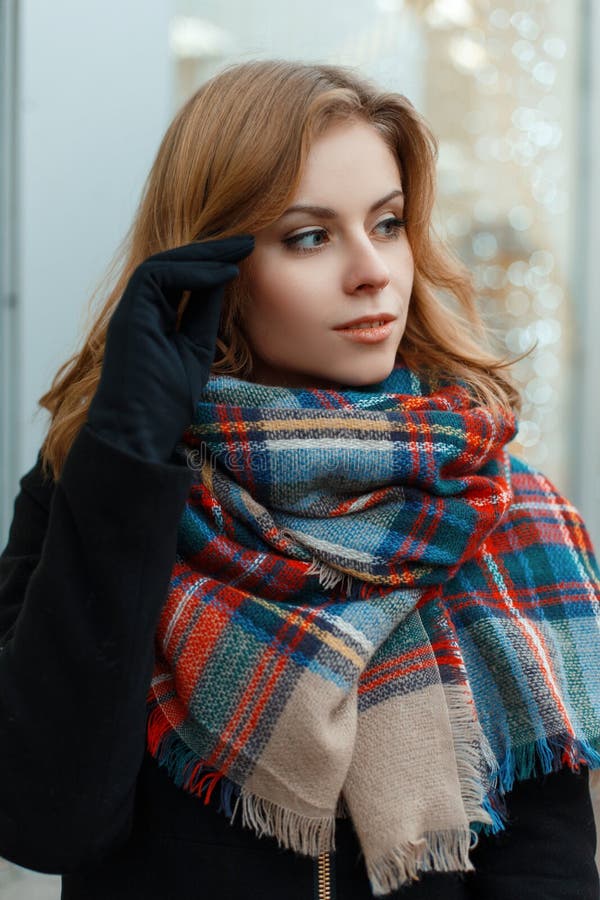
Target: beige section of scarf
[(407, 771)]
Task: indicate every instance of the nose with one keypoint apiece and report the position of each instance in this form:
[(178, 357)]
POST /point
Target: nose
[(367, 270)]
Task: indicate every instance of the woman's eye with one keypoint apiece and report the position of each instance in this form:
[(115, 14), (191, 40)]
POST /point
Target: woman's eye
[(294, 240), (392, 223), (395, 224)]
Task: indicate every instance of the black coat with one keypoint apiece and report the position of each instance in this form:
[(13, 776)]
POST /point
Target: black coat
[(82, 581)]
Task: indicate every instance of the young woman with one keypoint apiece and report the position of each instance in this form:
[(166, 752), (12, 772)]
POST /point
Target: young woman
[(281, 615)]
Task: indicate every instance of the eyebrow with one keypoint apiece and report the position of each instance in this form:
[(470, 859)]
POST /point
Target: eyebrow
[(325, 212)]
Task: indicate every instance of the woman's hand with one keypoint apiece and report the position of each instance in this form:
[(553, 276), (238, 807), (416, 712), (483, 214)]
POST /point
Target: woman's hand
[(152, 374)]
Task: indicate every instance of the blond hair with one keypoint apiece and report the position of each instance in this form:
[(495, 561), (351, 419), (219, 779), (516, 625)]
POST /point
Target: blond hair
[(229, 163)]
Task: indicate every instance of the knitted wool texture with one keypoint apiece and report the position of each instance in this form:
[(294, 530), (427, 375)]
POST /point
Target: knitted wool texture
[(375, 611)]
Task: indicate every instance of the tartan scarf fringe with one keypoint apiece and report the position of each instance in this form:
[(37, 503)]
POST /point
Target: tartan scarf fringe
[(329, 578), (439, 851), (473, 754), (532, 760), (348, 586), (307, 835)]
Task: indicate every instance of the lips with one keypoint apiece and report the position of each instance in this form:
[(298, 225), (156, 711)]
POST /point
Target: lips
[(370, 320)]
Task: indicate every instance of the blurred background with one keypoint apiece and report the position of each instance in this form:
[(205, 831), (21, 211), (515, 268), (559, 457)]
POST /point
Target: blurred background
[(511, 88)]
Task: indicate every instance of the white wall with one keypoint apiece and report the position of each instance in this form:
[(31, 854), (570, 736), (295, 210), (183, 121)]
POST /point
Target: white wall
[(93, 100)]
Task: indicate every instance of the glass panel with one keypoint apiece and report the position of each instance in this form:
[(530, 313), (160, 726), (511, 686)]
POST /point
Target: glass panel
[(9, 364)]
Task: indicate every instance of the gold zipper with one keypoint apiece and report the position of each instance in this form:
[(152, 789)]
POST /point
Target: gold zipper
[(324, 872)]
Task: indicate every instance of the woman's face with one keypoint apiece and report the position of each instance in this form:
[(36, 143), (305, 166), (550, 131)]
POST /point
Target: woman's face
[(343, 257)]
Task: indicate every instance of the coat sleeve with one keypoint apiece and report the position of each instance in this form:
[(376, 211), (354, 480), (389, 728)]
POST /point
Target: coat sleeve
[(82, 581)]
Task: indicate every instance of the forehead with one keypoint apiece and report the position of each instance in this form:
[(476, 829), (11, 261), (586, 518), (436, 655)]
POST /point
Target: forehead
[(351, 156)]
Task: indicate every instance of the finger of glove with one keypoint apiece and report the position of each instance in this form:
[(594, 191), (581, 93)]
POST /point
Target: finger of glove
[(174, 278), (230, 249), (201, 317), (196, 363), (153, 296)]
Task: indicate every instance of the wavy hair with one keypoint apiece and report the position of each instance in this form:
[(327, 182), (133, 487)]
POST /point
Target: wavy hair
[(230, 162)]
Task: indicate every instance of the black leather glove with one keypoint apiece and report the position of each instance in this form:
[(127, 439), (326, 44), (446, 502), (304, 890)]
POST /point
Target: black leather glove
[(152, 374)]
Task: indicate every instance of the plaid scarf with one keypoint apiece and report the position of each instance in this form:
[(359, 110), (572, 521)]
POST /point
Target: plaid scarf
[(375, 611)]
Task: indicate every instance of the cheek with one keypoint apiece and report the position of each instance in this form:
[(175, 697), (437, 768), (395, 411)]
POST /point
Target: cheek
[(404, 251), (404, 270), (281, 289)]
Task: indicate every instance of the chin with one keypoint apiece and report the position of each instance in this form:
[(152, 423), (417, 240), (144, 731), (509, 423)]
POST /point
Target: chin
[(369, 373)]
